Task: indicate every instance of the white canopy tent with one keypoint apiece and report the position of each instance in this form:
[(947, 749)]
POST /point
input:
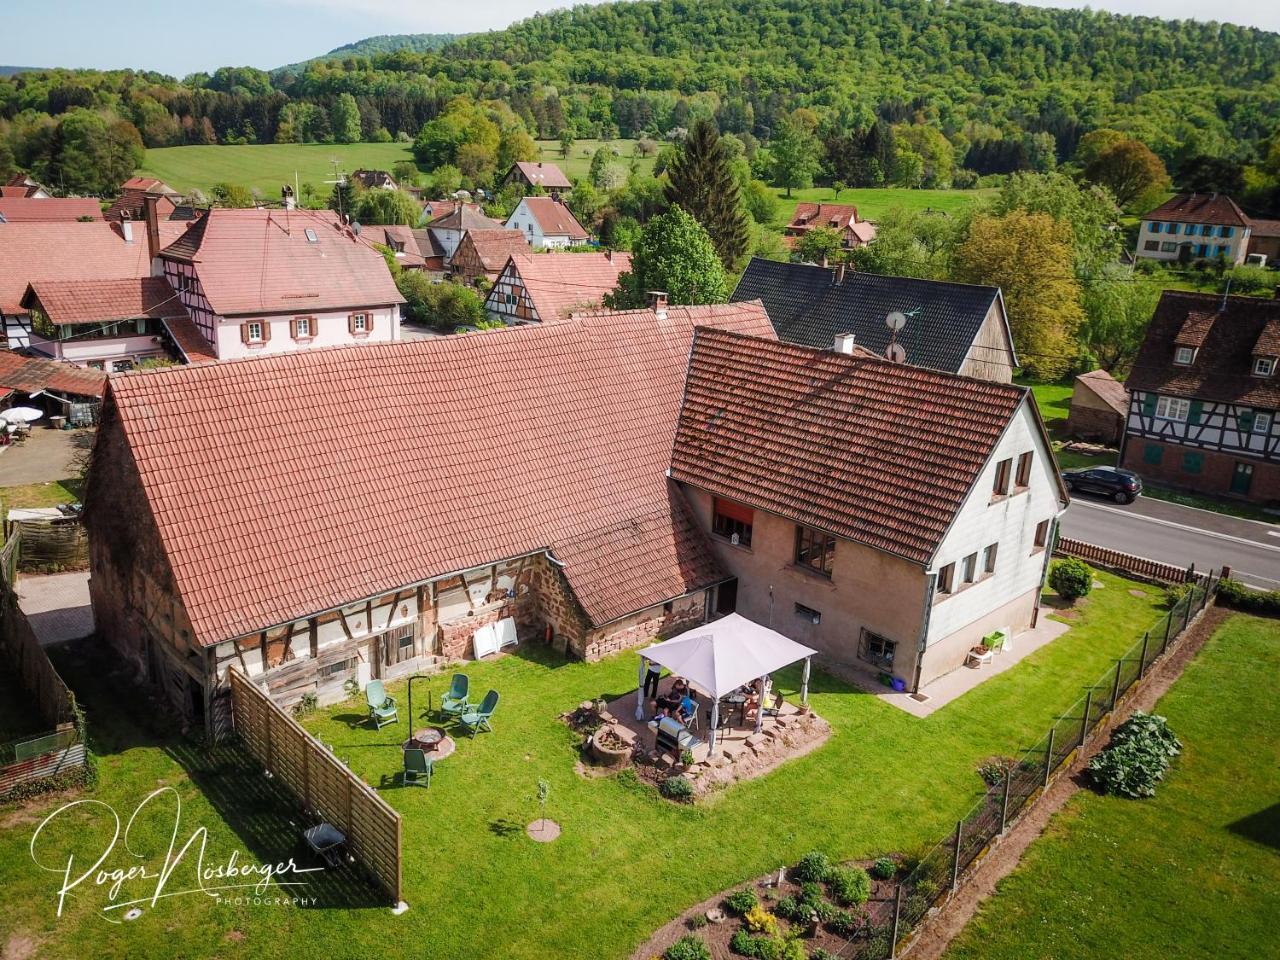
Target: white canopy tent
[(723, 655)]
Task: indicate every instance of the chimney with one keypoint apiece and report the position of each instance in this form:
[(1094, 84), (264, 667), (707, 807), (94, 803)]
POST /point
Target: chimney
[(153, 225), (840, 268), (126, 227), (844, 342), (658, 303), (286, 194)]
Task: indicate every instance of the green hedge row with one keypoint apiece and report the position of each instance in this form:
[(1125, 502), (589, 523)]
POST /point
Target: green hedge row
[(1233, 593)]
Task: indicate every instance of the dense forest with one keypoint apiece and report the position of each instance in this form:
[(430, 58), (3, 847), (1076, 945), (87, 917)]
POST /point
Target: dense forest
[(383, 43), (908, 92)]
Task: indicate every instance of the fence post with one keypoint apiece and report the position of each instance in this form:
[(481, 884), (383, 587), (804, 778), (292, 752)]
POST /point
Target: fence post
[(1115, 687), (1168, 624), (955, 860), (1004, 804), (1186, 619), (897, 912), (1048, 757), (1142, 657), (1084, 722)]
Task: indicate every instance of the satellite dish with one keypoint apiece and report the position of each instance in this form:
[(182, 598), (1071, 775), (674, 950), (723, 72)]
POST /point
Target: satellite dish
[(896, 321), (896, 353)]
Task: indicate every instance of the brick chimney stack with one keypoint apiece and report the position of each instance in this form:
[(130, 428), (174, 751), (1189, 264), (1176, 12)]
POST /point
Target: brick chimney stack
[(151, 202), (658, 303)]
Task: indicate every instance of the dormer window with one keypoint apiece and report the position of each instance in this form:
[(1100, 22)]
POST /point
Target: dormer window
[(1264, 366), (1184, 356)]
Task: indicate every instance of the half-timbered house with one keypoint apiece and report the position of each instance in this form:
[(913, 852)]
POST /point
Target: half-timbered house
[(537, 288), (335, 515), (482, 253), (1205, 396)]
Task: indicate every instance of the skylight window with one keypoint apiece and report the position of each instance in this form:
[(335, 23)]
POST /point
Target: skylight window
[(311, 236)]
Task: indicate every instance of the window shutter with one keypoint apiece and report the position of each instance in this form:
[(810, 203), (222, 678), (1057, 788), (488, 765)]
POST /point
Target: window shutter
[(244, 333), (368, 323), (266, 331), (1196, 409), (1148, 404), (1244, 421), (293, 328), (351, 323)]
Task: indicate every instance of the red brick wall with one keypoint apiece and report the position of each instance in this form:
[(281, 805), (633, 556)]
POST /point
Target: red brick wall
[(643, 628), (1214, 478)]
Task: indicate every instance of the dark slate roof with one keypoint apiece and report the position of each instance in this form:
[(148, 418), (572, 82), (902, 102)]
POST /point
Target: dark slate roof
[(1230, 331), (807, 306)]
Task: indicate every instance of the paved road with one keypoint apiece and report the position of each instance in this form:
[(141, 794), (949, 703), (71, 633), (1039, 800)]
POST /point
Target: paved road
[(1181, 535)]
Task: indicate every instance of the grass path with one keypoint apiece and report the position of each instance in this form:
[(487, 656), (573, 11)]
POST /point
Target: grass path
[(1192, 873), (627, 861)]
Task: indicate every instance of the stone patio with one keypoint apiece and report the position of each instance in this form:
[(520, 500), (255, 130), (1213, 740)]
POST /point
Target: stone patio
[(960, 681)]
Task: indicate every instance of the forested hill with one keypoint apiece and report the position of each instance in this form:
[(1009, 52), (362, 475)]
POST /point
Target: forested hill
[(384, 43)]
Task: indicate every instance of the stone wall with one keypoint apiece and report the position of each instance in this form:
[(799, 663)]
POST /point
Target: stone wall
[(641, 629)]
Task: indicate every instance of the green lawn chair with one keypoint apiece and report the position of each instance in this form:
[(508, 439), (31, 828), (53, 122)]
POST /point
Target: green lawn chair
[(478, 718), (382, 709), (417, 768), (454, 702)]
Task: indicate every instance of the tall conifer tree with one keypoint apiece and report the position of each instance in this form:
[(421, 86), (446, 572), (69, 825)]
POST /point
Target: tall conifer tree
[(701, 182)]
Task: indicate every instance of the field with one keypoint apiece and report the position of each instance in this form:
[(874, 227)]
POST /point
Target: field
[(579, 163), (265, 167), (477, 887), (873, 203), (1191, 873)]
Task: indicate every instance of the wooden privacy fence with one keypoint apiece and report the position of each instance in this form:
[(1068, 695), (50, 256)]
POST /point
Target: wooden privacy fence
[(51, 547), (320, 781), (1126, 562)]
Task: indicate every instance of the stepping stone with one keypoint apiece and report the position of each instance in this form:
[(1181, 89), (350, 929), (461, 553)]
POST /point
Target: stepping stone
[(755, 740)]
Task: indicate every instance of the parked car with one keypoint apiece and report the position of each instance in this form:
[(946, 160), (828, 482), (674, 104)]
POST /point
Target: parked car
[(1122, 486)]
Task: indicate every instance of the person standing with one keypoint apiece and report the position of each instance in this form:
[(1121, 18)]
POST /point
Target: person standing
[(651, 677)]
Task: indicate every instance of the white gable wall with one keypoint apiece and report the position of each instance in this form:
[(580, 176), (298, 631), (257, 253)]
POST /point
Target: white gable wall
[(1009, 522)]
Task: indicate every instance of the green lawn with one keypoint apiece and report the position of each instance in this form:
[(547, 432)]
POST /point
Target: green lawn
[(578, 164), (266, 166), (1191, 873), (49, 494), (873, 203), (477, 887)]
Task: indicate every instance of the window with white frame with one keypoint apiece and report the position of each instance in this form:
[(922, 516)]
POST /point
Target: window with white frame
[(359, 323), (254, 331), (1172, 408), (1264, 366), (1184, 355), (1261, 422), (302, 327)]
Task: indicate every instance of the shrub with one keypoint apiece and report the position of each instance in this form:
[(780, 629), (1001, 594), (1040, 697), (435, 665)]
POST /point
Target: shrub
[(1136, 758), (812, 867), (741, 902), (760, 920), (789, 908), (744, 944), (687, 948), (686, 757), (698, 921), (849, 923), (677, 788), (1071, 578), (884, 868), (792, 949), (810, 893), (1233, 593), (1175, 593), (820, 954), (849, 885)]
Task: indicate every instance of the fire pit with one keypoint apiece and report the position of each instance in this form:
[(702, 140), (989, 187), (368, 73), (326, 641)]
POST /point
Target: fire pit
[(607, 747), (431, 740)]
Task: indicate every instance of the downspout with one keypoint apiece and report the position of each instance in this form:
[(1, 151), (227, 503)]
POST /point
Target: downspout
[(931, 580)]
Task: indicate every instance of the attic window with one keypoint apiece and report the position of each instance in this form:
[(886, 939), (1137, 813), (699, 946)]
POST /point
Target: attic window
[(1264, 366), (1184, 356), (311, 235)]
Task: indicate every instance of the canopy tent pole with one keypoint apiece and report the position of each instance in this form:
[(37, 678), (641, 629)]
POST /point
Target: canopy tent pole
[(714, 736), (804, 681), (644, 665), (764, 683)]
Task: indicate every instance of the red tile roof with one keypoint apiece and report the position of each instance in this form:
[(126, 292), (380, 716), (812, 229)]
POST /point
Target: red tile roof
[(873, 451), (149, 185), (14, 190), (1223, 366), (274, 507), (191, 343), (264, 261), (559, 284), (539, 174), (463, 216), (30, 374), (134, 203), (1265, 228), (1199, 208), (554, 218), (91, 301), (30, 252), (493, 247), (836, 216), (1107, 388), (29, 209), (401, 240)]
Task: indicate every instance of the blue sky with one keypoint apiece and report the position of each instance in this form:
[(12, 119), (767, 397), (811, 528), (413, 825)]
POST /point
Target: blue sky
[(181, 38)]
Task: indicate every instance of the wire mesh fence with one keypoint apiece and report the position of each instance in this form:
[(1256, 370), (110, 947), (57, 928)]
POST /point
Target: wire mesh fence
[(944, 867)]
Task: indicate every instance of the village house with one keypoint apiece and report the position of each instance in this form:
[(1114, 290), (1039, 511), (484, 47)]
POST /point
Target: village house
[(889, 516), (20, 185), (451, 226), (536, 175), (338, 515), (547, 224), (375, 180), (1205, 397), (1195, 226), (401, 241), (264, 281), (482, 253), (954, 327), (48, 209), (70, 251), (132, 202), (59, 389), (841, 218), (1099, 408), (1264, 242), (540, 287)]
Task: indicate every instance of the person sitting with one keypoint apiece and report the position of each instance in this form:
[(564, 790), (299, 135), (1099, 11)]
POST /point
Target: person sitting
[(679, 688), (687, 712)]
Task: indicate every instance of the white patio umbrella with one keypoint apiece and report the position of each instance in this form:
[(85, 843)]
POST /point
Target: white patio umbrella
[(22, 414), (721, 656)]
